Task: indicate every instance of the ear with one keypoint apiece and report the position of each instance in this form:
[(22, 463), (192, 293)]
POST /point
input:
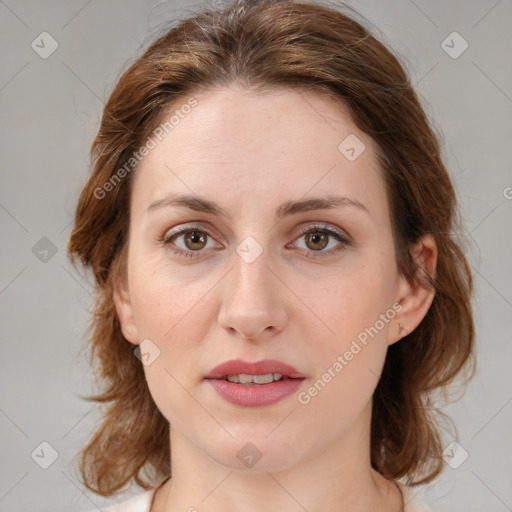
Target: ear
[(415, 298), (124, 310)]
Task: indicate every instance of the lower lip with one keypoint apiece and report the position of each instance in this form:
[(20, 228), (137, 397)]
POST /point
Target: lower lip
[(255, 395)]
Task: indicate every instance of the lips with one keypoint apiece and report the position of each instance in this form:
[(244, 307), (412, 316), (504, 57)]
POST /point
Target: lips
[(266, 366), (236, 382)]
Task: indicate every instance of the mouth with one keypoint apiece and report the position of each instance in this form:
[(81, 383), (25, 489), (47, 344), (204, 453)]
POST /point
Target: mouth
[(247, 380), (259, 372), (254, 384)]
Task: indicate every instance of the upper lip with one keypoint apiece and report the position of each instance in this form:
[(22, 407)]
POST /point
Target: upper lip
[(238, 366)]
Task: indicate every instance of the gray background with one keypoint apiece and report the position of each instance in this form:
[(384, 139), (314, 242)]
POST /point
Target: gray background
[(50, 111)]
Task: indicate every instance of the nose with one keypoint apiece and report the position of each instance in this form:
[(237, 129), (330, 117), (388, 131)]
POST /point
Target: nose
[(253, 303)]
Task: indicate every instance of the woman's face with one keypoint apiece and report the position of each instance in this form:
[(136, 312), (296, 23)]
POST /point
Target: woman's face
[(250, 284)]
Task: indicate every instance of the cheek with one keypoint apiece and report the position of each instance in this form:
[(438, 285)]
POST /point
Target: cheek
[(348, 364), (170, 309), (357, 309), (353, 301), (175, 322), (164, 298)]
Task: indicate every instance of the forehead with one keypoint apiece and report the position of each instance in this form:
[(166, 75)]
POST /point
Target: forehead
[(284, 143)]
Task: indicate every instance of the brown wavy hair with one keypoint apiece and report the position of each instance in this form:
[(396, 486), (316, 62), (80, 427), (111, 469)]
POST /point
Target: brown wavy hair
[(306, 47)]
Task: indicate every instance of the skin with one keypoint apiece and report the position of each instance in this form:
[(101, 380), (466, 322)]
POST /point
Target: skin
[(250, 153)]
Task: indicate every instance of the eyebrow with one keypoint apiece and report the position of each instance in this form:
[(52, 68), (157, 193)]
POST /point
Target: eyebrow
[(201, 204)]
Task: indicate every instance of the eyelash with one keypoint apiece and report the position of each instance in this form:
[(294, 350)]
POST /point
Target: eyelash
[(167, 238)]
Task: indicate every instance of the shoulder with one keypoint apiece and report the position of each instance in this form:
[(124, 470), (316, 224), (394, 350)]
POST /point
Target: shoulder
[(411, 500), (139, 503)]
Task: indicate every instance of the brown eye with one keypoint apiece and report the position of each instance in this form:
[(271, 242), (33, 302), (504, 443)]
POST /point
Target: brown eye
[(316, 240), (195, 240), (319, 241), (189, 241)]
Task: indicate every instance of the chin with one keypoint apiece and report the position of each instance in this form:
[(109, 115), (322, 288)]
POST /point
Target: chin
[(256, 451)]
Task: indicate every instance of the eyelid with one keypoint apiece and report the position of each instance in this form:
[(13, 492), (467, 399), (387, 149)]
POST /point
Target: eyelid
[(302, 229), (341, 236), (321, 226), (344, 240), (183, 228)]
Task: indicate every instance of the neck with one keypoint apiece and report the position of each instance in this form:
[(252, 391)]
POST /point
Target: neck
[(338, 478)]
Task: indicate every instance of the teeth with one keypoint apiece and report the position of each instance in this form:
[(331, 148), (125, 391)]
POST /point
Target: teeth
[(244, 378)]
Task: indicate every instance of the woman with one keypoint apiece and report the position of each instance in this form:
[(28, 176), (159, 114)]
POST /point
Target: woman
[(279, 285)]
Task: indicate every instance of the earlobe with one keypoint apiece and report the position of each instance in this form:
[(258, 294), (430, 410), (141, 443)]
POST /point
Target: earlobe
[(124, 310), (415, 298)]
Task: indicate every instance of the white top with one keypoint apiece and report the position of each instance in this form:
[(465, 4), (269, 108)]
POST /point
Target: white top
[(142, 502)]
